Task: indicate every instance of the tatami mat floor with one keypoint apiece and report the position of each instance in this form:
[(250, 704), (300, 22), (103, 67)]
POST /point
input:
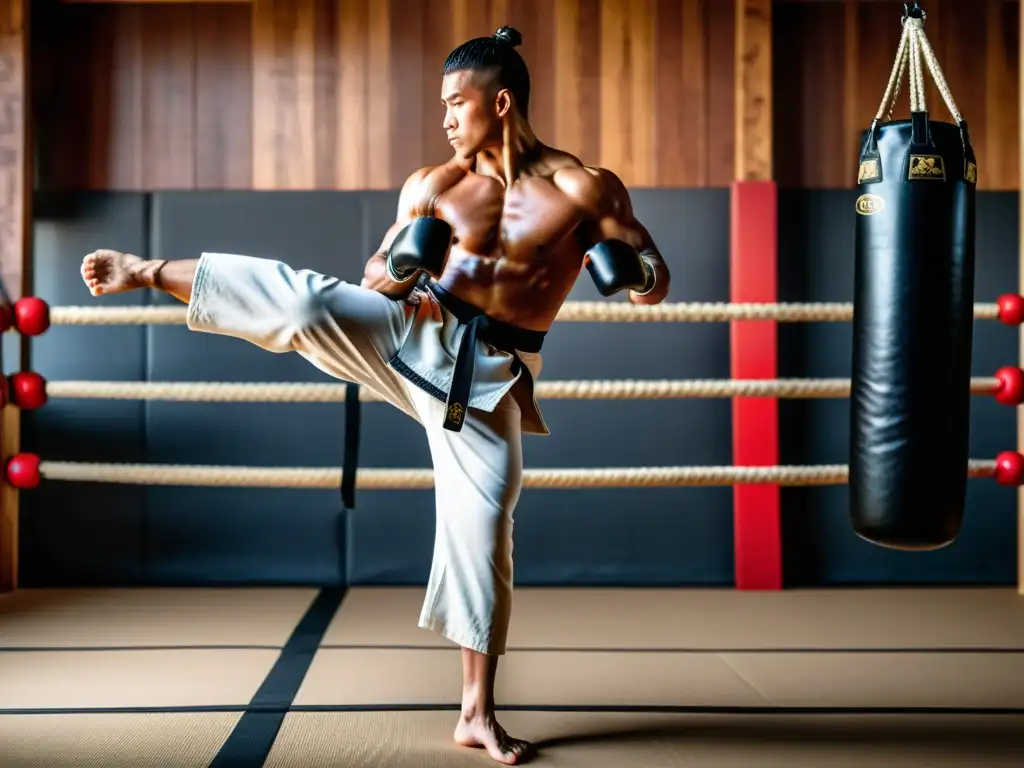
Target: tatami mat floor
[(616, 677)]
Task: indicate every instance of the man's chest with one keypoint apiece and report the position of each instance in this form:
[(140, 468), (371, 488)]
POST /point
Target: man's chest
[(486, 216)]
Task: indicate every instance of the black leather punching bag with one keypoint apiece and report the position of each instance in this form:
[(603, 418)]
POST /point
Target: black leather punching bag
[(912, 325)]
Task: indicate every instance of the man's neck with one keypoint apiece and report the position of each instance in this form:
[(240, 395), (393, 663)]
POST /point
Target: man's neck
[(510, 157)]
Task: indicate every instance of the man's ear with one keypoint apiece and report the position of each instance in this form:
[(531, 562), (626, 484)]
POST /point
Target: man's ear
[(503, 102)]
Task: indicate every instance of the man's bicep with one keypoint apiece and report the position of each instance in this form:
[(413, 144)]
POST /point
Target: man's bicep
[(620, 223), (611, 212), (628, 229)]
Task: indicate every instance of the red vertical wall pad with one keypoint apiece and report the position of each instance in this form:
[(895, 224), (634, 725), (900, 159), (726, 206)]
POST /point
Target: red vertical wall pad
[(754, 355)]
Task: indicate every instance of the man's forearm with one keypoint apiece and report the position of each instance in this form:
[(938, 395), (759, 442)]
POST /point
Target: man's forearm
[(375, 277)]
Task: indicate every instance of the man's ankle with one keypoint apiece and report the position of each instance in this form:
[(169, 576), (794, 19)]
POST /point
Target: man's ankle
[(475, 704), (146, 273)]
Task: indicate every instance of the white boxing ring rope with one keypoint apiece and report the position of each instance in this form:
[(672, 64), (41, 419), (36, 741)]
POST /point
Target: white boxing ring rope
[(572, 312), (582, 389), (408, 479), (412, 479)]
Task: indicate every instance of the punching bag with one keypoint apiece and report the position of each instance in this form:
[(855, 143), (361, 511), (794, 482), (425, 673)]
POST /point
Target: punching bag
[(913, 320)]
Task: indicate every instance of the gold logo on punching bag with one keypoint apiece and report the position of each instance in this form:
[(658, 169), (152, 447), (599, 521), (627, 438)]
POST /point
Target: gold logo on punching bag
[(927, 167), (868, 205), (972, 173)]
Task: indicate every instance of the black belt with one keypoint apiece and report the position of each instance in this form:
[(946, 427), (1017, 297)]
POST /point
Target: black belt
[(479, 326), (350, 459)]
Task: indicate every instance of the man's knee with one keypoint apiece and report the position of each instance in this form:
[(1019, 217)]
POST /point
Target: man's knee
[(308, 311), (322, 302)]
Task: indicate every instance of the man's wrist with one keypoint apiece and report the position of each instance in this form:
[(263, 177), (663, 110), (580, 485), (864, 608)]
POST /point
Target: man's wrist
[(394, 277), (647, 260)]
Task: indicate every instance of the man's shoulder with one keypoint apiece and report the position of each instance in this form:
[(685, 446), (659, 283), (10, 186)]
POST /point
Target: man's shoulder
[(449, 172), (425, 184), (590, 187)]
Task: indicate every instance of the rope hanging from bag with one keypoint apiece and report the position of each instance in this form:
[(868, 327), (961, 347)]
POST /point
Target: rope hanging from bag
[(913, 56)]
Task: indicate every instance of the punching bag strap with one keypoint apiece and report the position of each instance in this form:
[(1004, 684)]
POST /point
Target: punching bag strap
[(920, 136), (970, 170), (870, 168), (922, 161), (970, 161)]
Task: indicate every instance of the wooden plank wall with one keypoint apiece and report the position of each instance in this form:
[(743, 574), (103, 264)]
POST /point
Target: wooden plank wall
[(344, 94), (832, 64)]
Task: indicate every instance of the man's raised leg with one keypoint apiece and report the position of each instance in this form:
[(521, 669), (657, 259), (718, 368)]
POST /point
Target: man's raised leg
[(346, 331)]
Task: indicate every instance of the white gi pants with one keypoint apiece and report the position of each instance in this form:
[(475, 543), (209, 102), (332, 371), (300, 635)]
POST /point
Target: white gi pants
[(351, 333)]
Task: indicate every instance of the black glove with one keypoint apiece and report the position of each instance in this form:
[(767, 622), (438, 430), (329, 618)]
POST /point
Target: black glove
[(424, 244), (616, 266)]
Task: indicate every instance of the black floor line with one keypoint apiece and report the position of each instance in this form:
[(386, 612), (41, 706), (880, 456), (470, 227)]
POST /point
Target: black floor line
[(253, 736), (100, 648), (268, 716)]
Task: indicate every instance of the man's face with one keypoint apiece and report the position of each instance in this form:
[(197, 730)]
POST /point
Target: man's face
[(471, 119)]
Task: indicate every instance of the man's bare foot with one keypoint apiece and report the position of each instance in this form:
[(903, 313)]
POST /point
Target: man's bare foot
[(106, 272), (484, 731)]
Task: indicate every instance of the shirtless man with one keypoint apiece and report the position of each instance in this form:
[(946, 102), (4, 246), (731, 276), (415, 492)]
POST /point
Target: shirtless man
[(446, 325)]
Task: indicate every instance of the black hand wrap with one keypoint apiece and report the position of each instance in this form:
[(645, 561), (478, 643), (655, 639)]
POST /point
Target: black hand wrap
[(616, 266), (423, 245)]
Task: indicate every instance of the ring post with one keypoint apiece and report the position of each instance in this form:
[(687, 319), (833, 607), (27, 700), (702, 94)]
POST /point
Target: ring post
[(15, 247), (757, 534)]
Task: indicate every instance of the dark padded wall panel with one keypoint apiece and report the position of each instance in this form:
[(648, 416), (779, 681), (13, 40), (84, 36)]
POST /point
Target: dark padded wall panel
[(670, 536), (243, 534), (816, 231), (79, 532)]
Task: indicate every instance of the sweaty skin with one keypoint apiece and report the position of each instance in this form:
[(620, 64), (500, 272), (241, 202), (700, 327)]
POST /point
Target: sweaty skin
[(516, 254), (519, 249)]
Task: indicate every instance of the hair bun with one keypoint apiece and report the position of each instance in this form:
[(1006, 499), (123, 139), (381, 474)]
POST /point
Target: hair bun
[(509, 35)]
